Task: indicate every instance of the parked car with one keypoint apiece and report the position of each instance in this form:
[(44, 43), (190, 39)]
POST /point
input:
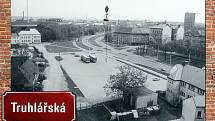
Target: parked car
[(85, 58), (156, 79)]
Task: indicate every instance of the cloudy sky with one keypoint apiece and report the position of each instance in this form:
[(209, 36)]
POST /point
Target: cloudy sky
[(170, 10)]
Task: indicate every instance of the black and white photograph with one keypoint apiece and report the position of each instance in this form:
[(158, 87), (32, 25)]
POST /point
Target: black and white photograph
[(125, 60)]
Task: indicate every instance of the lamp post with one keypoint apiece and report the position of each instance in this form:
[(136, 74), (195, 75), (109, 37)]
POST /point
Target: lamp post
[(106, 20)]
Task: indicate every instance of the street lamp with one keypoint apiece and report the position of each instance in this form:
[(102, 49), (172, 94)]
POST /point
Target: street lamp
[(106, 20)]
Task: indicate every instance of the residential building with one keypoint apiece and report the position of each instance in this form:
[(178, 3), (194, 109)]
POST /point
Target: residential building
[(27, 67), (161, 33), (180, 33), (194, 40), (193, 109), (177, 32), (189, 22), (140, 97), (30, 71), (131, 36), (182, 84), (18, 80), (27, 37)]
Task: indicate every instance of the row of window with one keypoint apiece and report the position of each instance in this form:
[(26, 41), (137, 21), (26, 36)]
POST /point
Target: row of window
[(184, 95), (192, 88), (155, 31), (28, 37)]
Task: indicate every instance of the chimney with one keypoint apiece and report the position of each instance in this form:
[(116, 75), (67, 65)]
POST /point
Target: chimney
[(23, 15)]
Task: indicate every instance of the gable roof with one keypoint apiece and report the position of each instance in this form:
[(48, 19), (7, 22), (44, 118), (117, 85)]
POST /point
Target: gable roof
[(189, 74)]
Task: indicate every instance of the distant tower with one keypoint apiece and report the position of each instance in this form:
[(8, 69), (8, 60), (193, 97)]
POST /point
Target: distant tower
[(23, 15), (27, 12), (189, 22)]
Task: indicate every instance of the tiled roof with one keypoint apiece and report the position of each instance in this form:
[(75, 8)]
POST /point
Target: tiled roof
[(189, 74)]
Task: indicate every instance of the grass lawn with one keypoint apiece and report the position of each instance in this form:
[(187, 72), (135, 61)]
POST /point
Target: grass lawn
[(55, 49), (65, 44), (81, 45)]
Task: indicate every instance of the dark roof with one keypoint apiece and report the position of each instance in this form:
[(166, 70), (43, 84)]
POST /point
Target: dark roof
[(189, 74), (140, 30), (17, 75), (141, 91), (123, 30), (30, 70), (128, 30)]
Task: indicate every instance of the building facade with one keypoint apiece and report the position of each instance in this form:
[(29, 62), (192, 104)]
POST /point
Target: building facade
[(131, 36), (189, 22), (182, 84), (194, 40), (194, 109), (139, 97), (27, 37), (161, 33), (180, 33)]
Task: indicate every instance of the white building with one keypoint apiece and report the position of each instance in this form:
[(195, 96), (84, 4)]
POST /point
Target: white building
[(180, 33), (193, 109), (166, 32), (27, 37), (184, 82)]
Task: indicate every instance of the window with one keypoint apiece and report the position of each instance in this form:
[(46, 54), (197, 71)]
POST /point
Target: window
[(183, 84), (199, 115), (182, 94), (201, 92), (188, 96), (191, 87)]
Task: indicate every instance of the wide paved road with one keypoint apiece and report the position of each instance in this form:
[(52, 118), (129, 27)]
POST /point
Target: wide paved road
[(89, 78)]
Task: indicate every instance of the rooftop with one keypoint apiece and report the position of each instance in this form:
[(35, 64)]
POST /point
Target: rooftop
[(186, 73), (29, 70), (32, 31), (129, 30), (159, 26), (141, 91)]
